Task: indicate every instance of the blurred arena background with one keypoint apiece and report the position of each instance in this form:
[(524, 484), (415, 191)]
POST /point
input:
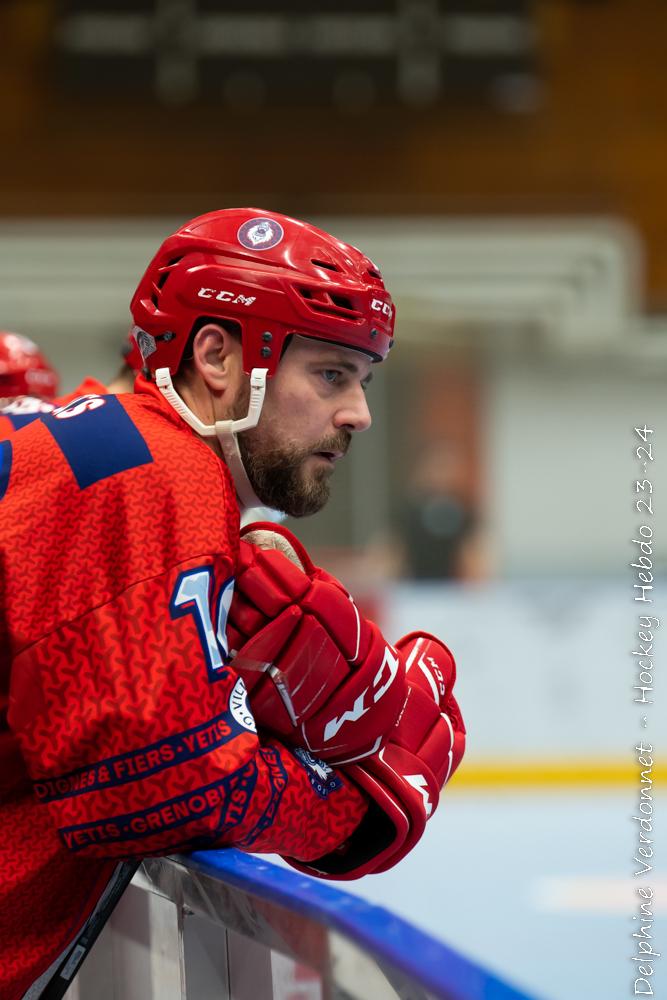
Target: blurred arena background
[(504, 163)]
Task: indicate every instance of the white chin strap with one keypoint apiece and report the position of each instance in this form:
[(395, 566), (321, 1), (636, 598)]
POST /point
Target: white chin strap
[(224, 430)]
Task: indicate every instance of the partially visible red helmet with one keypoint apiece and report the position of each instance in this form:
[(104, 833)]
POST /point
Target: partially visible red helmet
[(24, 371), (272, 275)]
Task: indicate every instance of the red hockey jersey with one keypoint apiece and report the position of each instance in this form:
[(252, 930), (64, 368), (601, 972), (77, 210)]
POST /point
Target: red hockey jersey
[(123, 730)]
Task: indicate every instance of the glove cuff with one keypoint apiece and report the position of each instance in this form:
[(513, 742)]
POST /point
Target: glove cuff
[(375, 841)]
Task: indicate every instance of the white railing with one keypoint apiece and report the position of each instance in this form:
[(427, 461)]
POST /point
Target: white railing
[(224, 925)]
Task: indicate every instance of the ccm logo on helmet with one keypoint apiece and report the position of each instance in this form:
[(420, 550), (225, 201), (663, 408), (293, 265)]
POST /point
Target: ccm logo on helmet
[(224, 296), (382, 307), (381, 684)]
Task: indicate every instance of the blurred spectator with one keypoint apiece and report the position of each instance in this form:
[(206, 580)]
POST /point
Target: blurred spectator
[(438, 527), (437, 531)]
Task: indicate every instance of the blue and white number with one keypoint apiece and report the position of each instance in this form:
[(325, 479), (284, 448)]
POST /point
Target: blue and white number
[(191, 596)]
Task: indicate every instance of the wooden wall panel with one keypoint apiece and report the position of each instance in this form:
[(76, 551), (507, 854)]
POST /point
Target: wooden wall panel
[(596, 143)]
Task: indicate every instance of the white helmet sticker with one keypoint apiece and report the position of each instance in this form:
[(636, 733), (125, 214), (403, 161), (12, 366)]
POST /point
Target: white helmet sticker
[(144, 341)]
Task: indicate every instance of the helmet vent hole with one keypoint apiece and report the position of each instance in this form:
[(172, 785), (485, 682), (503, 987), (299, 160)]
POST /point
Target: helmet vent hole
[(374, 273), (323, 301), (167, 271), (342, 302), (327, 264)]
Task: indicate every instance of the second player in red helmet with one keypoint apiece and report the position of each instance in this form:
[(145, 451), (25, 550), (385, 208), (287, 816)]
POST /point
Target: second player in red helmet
[(24, 370), (28, 383)]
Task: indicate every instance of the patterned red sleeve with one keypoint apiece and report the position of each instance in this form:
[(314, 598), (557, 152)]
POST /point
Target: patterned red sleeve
[(138, 737)]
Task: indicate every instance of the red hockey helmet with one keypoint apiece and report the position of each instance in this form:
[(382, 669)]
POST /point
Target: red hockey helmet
[(272, 275), (24, 371)]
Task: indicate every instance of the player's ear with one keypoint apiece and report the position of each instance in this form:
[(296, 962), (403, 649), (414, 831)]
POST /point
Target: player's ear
[(216, 355)]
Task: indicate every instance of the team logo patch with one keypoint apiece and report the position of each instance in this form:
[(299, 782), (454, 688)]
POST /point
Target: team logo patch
[(323, 779), (260, 234), (238, 706)]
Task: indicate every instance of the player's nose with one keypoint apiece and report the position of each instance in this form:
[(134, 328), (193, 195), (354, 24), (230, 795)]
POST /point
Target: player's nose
[(353, 413)]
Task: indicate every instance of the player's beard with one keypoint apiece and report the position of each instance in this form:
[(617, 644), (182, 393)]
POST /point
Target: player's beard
[(277, 471)]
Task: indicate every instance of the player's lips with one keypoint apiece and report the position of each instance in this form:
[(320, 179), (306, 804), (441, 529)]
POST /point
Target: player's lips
[(338, 446)]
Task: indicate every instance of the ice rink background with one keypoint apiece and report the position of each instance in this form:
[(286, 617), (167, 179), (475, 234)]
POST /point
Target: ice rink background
[(530, 872), (535, 886)]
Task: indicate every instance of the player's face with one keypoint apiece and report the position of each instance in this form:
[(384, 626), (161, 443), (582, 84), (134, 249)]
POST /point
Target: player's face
[(314, 404)]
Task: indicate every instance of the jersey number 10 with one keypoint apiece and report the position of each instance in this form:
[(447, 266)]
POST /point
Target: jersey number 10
[(192, 596)]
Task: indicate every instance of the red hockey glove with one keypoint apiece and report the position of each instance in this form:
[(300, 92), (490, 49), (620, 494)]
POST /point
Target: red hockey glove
[(431, 667), (403, 780), (318, 674)]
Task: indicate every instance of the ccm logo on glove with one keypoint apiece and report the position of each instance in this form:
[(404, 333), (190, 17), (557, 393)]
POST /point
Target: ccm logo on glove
[(386, 675)]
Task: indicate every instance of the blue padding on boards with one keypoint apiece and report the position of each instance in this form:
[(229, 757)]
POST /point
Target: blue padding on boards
[(436, 967), (98, 441)]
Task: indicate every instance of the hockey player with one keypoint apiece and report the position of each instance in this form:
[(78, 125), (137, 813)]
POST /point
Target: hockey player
[(133, 611), (28, 382)]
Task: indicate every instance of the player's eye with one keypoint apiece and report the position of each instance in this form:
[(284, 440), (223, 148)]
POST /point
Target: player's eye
[(331, 375)]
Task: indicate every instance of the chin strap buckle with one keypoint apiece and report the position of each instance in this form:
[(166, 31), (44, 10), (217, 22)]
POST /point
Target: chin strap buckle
[(224, 430)]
